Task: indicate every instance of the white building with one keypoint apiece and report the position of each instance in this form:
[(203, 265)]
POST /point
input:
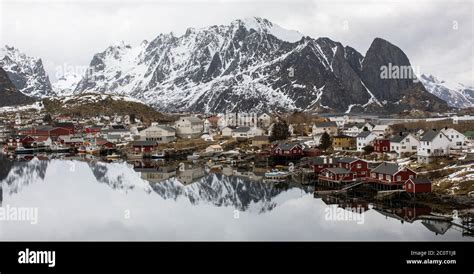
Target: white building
[(432, 144), (328, 127), (364, 139), (457, 139), (381, 130), (189, 127), (158, 133), (404, 143)]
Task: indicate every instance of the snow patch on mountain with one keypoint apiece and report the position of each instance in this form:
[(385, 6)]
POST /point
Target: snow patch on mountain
[(455, 94), (66, 84)]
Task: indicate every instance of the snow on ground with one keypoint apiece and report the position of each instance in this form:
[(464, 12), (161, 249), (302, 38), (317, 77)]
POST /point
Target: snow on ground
[(38, 106)]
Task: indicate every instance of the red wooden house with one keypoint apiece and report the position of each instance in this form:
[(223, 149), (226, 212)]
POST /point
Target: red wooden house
[(50, 131), (320, 163), (66, 125), (382, 145), (335, 177), (389, 176), (359, 167), (417, 185), (290, 150)]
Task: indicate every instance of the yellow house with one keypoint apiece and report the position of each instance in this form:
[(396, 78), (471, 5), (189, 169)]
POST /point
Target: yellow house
[(343, 142)]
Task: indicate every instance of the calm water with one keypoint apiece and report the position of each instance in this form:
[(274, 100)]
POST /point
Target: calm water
[(80, 200)]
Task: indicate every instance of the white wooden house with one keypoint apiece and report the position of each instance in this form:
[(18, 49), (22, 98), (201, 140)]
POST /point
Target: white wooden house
[(432, 144)]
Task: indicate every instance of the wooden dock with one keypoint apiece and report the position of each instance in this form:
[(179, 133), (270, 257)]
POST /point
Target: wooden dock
[(334, 191)]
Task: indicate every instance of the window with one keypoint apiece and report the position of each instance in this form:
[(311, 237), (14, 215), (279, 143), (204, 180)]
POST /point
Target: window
[(359, 165), (409, 186), (381, 176), (399, 178)]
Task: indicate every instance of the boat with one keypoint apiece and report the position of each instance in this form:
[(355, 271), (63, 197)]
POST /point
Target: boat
[(60, 149), (276, 176), (112, 156), (194, 156), (23, 150), (158, 155)]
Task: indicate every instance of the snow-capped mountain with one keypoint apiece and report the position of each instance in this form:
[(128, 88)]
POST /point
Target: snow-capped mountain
[(456, 95), (255, 65), (25, 72), (66, 84)]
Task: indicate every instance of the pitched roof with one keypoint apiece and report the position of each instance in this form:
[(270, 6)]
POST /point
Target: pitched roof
[(338, 170), (193, 119), (399, 137), (421, 180), (364, 134), (288, 146), (429, 135), (346, 160), (386, 168)]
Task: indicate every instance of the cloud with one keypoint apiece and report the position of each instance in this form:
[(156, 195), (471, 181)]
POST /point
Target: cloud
[(70, 32)]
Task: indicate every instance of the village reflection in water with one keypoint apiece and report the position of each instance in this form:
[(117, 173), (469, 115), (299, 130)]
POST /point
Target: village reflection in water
[(222, 186)]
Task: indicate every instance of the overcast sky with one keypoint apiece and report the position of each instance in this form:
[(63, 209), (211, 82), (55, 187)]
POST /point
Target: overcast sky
[(437, 36)]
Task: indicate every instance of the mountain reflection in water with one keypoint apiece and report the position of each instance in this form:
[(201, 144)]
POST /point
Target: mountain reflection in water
[(93, 200)]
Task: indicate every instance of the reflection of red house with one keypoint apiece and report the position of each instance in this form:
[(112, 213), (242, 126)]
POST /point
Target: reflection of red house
[(417, 185), (410, 214), (359, 167), (143, 146), (382, 145), (288, 150), (20, 141)]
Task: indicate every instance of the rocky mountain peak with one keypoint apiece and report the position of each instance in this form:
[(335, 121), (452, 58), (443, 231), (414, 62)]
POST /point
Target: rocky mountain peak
[(26, 73)]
